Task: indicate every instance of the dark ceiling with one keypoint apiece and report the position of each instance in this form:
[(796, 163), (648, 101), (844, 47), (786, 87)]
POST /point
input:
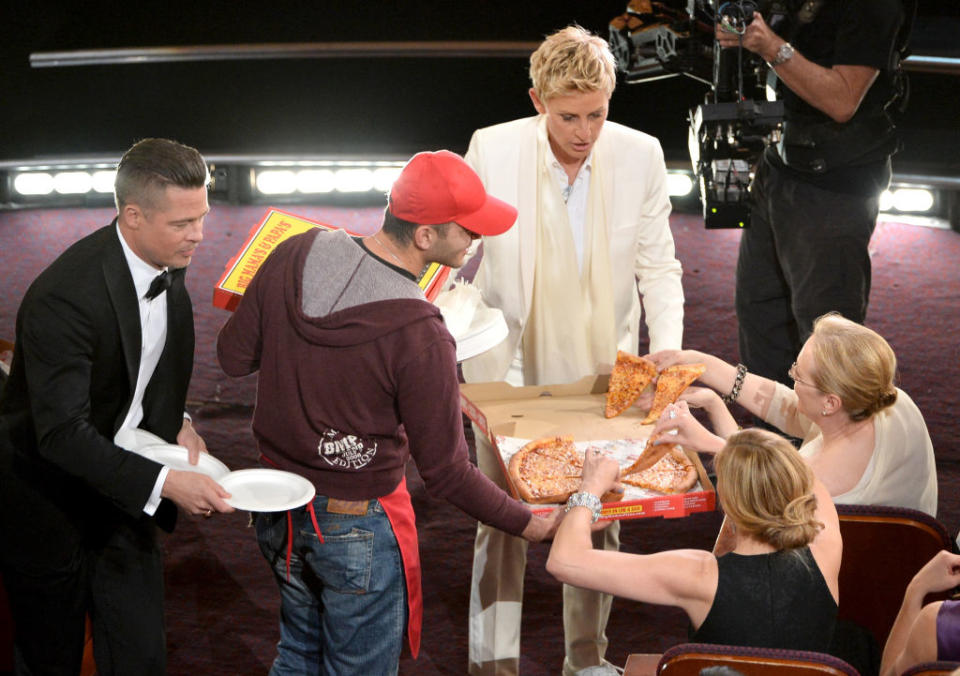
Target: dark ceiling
[(390, 106)]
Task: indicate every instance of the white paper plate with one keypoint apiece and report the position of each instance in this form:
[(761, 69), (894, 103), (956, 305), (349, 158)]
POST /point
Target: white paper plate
[(145, 438), (267, 490), (137, 438), (487, 330), (177, 457)]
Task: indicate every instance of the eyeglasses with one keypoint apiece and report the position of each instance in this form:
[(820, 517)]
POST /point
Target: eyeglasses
[(795, 378)]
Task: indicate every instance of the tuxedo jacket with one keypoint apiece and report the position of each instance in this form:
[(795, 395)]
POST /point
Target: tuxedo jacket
[(76, 360), (637, 208)]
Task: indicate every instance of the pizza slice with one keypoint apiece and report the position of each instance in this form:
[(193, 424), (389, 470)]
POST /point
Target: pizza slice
[(630, 377), (546, 470), (651, 455), (671, 382), (672, 473)]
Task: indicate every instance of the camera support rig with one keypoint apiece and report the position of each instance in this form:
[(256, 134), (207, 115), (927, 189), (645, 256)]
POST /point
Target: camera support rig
[(731, 129)]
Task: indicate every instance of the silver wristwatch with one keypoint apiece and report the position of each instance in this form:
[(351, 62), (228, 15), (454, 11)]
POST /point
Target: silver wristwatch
[(784, 54), (588, 500)]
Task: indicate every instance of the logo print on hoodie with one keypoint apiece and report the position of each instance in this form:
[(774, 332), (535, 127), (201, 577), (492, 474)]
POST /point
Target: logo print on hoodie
[(345, 450)]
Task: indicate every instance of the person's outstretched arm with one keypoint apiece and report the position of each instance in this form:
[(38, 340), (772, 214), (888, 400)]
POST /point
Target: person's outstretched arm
[(913, 638), (686, 578)]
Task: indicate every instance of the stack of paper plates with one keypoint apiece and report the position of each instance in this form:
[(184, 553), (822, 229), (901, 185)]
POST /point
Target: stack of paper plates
[(177, 457), (487, 330)]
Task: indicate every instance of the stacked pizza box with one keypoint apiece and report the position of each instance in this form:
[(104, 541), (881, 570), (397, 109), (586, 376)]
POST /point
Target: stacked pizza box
[(510, 416), (265, 236)]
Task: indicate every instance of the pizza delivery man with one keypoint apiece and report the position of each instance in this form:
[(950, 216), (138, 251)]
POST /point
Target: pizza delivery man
[(356, 374)]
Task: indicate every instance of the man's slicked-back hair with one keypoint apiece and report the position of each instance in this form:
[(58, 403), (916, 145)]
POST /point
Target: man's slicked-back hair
[(153, 164), (572, 60)]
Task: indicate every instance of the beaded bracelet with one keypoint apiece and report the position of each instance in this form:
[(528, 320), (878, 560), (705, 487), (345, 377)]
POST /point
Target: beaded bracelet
[(588, 500), (737, 384)]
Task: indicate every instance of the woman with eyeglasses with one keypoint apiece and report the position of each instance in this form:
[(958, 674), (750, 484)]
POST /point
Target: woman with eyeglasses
[(863, 437)]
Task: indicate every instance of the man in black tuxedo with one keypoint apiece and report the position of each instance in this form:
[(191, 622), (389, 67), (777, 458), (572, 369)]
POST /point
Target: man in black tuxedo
[(104, 345)]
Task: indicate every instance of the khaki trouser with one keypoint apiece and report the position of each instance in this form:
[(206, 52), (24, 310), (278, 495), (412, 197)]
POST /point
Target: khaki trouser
[(496, 596)]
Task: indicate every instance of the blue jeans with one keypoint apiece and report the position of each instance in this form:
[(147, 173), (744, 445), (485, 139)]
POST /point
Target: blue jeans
[(344, 607)]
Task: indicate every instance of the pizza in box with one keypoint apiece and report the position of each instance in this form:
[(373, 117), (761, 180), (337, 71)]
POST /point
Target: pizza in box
[(548, 470)]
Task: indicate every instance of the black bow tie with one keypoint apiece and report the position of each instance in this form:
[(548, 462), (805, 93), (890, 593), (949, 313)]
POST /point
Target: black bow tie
[(159, 284)]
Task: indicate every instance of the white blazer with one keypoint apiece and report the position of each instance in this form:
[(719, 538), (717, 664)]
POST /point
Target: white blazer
[(642, 257)]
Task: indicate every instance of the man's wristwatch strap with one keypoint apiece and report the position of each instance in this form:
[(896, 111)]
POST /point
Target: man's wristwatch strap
[(784, 54)]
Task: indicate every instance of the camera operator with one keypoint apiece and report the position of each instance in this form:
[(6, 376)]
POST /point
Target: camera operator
[(815, 197)]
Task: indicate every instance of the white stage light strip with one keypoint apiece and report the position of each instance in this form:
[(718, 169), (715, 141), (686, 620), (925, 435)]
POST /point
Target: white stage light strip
[(277, 182), (103, 180), (907, 200), (350, 177), (33, 183), (312, 181), (64, 182), (679, 184), (914, 200), (72, 182)]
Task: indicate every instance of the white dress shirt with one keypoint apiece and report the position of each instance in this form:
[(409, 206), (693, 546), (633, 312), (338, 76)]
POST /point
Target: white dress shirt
[(575, 195), (153, 331)]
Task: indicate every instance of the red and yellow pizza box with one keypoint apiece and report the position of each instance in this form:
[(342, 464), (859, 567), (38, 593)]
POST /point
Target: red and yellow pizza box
[(274, 227), (506, 414)]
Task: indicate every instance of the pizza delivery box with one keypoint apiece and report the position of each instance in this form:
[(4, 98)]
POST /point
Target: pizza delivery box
[(273, 228), (511, 416)]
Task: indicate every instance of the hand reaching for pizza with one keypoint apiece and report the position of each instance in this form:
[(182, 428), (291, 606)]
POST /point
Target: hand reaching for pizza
[(600, 473), (721, 420), (689, 432), (645, 401), (665, 358), (700, 397)]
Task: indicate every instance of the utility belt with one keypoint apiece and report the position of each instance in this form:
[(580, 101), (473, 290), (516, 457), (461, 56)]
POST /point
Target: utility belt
[(819, 147)]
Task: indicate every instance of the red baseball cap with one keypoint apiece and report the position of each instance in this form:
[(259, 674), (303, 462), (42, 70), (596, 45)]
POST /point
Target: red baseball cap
[(440, 187)]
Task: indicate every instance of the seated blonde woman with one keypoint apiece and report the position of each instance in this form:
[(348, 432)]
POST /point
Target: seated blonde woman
[(864, 438), (777, 588)]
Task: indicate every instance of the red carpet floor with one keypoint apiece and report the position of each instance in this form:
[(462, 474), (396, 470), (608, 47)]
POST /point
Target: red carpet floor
[(222, 603)]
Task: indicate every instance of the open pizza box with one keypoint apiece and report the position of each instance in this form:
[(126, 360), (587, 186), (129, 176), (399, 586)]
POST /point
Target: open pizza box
[(509, 416)]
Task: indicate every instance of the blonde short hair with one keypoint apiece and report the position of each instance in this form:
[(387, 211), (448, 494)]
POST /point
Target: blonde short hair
[(766, 489), (855, 363), (572, 59)]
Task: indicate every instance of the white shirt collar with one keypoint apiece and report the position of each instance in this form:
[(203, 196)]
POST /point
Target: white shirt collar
[(143, 273), (555, 163)]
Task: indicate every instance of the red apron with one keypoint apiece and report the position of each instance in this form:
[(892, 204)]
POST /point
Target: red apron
[(399, 510)]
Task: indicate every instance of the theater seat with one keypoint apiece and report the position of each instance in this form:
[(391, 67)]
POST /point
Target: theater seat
[(932, 669), (687, 659), (883, 548)]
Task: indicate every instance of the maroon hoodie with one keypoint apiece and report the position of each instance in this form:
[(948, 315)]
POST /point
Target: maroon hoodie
[(357, 372)]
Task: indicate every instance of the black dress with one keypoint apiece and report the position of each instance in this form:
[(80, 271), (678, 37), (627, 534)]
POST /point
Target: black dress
[(777, 600)]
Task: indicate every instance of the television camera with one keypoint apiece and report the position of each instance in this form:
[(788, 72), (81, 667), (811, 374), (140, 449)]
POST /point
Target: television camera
[(739, 117)]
